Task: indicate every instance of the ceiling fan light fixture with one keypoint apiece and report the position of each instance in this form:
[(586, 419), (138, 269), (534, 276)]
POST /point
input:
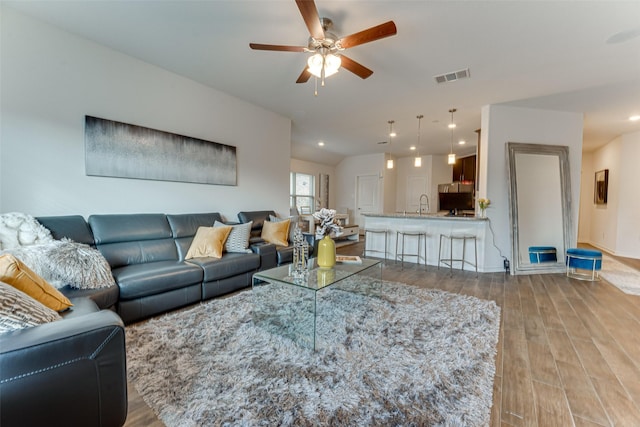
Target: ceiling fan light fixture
[(329, 62), (634, 118), (315, 64), (332, 64), (324, 46)]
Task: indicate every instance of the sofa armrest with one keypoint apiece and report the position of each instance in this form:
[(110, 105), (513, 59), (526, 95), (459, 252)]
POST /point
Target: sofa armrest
[(268, 255), (68, 372)]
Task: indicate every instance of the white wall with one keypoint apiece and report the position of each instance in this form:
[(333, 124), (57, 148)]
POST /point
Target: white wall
[(603, 225), (628, 233), (315, 169), (51, 79), (347, 171), (614, 227), (502, 124), (434, 170), (390, 187), (586, 198)]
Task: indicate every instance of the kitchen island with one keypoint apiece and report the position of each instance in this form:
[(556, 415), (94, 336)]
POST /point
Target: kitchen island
[(434, 225)]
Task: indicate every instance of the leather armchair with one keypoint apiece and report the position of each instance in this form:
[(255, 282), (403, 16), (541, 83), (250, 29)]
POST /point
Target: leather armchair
[(71, 372)]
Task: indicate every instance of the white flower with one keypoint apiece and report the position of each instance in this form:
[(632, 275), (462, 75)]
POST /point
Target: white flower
[(328, 223)]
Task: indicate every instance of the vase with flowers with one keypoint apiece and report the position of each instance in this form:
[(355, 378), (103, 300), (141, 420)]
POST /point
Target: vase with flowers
[(483, 204), (327, 228)]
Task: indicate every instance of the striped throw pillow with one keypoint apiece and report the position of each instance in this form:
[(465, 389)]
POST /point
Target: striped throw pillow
[(18, 310), (238, 240)]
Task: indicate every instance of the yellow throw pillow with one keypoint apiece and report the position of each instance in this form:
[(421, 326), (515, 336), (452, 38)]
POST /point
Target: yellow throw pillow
[(15, 273), (208, 242), (276, 232)]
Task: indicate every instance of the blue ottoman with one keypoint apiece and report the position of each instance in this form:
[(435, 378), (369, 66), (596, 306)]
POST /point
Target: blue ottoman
[(583, 259), (538, 254)]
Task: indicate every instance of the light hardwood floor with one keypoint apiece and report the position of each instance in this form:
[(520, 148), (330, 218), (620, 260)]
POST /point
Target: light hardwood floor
[(568, 354)]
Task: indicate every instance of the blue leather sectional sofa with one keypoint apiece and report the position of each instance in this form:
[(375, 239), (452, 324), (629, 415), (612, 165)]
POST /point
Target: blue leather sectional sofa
[(146, 253), (82, 359)]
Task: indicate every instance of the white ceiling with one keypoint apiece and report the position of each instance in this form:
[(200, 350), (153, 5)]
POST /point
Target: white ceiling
[(539, 54)]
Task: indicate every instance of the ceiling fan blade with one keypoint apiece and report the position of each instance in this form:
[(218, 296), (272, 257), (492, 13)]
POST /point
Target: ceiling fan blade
[(311, 18), (304, 76), (258, 46), (355, 67), (370, 34)]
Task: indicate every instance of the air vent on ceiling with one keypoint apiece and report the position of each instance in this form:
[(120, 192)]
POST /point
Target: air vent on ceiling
[(453, 76)]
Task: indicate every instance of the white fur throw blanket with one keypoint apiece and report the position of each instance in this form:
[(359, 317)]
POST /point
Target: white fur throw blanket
[(18, 229), (65, 262)]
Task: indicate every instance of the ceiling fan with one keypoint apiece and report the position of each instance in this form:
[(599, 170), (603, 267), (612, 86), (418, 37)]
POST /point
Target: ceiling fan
[(327, 48)]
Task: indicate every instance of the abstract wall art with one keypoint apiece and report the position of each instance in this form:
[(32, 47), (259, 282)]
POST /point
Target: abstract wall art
[(122, 150), (601, 187)]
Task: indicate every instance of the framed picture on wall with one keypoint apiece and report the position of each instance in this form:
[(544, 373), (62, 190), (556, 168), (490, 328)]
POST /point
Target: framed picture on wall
[(601, 187)]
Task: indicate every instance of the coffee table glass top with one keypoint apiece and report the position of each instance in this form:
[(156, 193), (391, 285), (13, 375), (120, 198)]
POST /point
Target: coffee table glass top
[(289, 305), (317, 278)]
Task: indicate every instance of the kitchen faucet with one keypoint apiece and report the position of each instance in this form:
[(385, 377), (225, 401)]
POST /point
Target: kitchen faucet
[(425, 204)]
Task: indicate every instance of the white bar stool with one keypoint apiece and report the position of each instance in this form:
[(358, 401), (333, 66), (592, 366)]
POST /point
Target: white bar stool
[(449, 261), (420, 235), (373, 231)]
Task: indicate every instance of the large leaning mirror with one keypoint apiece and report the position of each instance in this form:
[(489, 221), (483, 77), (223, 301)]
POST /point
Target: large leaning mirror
[(539, 206)]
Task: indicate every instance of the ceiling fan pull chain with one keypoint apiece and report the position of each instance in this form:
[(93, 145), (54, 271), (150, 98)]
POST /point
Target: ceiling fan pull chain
[(315, 92)]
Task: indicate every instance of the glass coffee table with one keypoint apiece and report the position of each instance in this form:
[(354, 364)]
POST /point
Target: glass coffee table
[(289, 305)]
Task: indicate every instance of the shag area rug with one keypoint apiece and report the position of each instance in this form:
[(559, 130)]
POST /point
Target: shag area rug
[(623, 277), (409, 356)]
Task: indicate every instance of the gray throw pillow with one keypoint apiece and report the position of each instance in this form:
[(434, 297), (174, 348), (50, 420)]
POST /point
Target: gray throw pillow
[(65, 262), (238, 240), (18, 310)]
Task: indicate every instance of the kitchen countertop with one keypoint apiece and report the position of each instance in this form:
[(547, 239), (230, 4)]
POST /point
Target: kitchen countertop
[(430, 216)]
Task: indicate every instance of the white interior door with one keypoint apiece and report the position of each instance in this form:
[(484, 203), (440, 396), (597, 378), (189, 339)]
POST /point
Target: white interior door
[(366, 197)]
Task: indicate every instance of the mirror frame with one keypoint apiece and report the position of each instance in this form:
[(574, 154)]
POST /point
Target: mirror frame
[(562, 152)]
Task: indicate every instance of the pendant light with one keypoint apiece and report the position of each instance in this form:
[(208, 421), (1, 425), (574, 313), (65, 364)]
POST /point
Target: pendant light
[(418, 160), (391, 135), (451, 159)]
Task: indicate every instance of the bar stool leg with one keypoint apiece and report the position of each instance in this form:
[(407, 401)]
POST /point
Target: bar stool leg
[(402, 256), (475, 253), (425, 250), (385, 246), (464, 249), (451, 258), (396, 257)]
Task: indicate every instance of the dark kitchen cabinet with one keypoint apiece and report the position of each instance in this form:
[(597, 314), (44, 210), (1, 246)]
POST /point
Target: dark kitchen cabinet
[(464, 169)]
